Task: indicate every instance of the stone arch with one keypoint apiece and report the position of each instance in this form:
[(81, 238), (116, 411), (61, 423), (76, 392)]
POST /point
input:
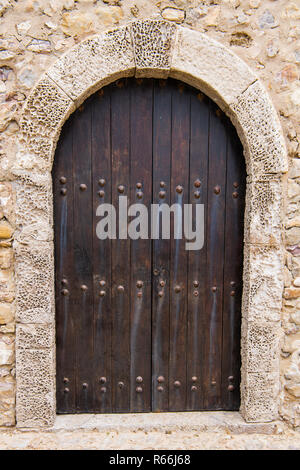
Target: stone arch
[(155, 49)]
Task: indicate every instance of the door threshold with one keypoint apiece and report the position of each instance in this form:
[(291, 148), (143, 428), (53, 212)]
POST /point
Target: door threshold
[(192, 421)]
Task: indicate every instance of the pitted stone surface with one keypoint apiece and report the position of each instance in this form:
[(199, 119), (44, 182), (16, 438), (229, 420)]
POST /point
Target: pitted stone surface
[(35, 283), (43, 115), (260, 392), (35, 336), (260, 132), (205, 64), (263, 213), (36, 389), (94, 63), (262, 283), (153, 41)]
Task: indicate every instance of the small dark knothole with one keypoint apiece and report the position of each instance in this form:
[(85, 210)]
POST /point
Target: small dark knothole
[(241, 39)]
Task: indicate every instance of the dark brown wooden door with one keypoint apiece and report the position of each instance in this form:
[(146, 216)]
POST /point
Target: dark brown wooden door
[(145, 325)]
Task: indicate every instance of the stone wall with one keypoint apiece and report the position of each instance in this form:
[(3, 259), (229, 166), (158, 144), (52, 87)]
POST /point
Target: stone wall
[(264, 33)]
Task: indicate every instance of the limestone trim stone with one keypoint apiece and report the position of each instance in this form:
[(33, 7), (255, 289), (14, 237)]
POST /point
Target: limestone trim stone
[(148, 48)]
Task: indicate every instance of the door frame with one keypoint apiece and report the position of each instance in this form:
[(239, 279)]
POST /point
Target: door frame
[(156, 49)]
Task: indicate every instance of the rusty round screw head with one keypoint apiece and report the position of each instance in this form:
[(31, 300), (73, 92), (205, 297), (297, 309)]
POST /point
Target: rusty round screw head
[(139, 284), (217, 189), (66, 390), (194, 388), (162, 283), (232, 293), (63, 191), (65, 292), (66, 380), (231, 378), (177, 384), (84, 385), (177, 289), (194, 378), (121, 188), (235, 184), (102, 380), (160, 388), (179, 189), (84, 288), (121, 385), (196, 283), (120, 288), (83, 187), (162, 184), (102, 182), (213, 382), (197, 184), (102, 293), (230, 388), (197, 194), (63, 180), (160, 379), (196, 293), (214, 289), (138, 185), (155, 272), (101, 193), (139, 379), (232, 283), (235, 195), (64, 282), (162, 194), (103, 389), (102, 283), (160, 293), (139, 389), (139, 194), (139, 295)]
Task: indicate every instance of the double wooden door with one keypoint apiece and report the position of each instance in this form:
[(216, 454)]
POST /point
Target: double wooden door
[(145, 325)]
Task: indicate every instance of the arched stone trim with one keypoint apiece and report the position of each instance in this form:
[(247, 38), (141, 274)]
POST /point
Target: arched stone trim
[(148, 49)]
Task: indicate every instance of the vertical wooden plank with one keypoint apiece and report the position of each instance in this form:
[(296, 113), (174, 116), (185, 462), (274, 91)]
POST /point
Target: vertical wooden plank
[(83, 254), (120, 135), (101, 174), (197, 259), (141, 193), (63, 236), (234, 232), (215, 257), (178, 295), (162, 132)]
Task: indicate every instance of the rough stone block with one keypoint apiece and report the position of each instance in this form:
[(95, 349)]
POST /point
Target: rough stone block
[(34, 283), (45, 111), (36, 387), (6, 313), (94, 63), (262, 283), (259, 129), (263, 213), (260, 396), (7, 350), (35, 336), (153, 42), (201, 61)]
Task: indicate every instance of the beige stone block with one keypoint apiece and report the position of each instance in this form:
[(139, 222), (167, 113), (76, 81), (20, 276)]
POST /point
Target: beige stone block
[(6, 258), (262, 283), (259, 129), (7, 286), (7, 350), (292, 293), (34, 283), (260, 392), (94, 63), (261, 346), (263, 213), (35, 336), (206, 64), (6, 313), (45, 111), (7, 418), (35, 404), (153, 42), (6, 229)]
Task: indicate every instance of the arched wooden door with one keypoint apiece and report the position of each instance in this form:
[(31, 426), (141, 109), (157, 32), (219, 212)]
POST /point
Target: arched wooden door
[(145, 325)]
